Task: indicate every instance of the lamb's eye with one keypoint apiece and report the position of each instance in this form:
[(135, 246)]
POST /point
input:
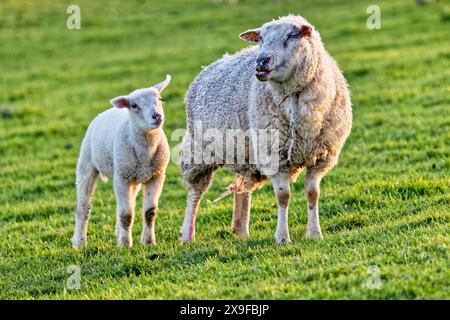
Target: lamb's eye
[(134, 106), (294, 35)]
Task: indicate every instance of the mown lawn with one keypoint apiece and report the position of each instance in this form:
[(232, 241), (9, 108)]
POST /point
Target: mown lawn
[(386, 205)]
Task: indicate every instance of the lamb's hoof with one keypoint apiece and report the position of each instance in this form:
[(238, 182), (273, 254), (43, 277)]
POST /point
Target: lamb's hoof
[(148, 242), (314, 234), (243, 234), (283, 239), (283, 242), (125, 243)]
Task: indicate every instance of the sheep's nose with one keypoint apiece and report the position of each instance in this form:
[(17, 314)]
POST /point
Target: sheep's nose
[(263, 62)]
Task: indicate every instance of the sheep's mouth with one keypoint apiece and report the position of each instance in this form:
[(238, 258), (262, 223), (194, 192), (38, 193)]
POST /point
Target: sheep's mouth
[(263, 75)]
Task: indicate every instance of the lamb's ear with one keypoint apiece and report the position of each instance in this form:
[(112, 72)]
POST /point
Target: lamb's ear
[(162, 85), (253, 35), (305, 31), (120, 102)]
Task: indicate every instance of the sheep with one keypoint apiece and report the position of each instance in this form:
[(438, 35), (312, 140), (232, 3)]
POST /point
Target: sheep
[(288, 83), (126, 144)]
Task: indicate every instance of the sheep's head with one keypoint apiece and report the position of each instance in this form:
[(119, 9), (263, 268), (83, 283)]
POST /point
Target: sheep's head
[(283, 44), (144, 106)]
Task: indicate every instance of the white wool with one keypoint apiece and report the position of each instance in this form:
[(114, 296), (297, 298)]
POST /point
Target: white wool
[(305, 98)]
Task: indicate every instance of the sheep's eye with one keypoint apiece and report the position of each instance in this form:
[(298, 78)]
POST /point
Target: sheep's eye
[(134, 106), (294, 35)]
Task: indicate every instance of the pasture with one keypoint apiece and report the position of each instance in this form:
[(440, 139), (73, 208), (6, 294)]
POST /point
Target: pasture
[(385, 208)]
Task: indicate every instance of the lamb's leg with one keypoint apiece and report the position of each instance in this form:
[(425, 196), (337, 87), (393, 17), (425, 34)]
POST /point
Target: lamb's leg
[(126, 200), (283, 193), (312, 190), (152, 191), (241, 213), (194, 196), (86, 176)]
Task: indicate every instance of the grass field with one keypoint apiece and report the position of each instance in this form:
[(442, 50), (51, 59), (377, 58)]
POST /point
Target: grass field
[(386, 205)]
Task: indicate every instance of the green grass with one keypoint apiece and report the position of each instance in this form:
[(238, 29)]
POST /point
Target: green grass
[(387, 203)]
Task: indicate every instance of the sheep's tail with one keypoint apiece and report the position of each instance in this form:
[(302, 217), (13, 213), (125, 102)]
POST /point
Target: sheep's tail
[(224, 195), (242, 184), (236, 186)]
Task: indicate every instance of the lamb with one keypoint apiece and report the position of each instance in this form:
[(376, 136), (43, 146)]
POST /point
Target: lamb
[(288, 84), (126, 144)]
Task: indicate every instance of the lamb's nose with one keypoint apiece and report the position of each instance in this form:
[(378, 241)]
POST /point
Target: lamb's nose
[(157, 117)]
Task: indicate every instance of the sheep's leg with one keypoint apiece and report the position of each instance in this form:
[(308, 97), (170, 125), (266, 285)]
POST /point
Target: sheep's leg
[(282, 191), (194, 196), (86, 177), (312, 190), (241, 213), (152, 191), (126, 201)]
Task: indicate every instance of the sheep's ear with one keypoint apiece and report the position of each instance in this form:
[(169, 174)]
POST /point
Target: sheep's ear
[(305, 31), (120, 102), (253, 35), (162, 85)]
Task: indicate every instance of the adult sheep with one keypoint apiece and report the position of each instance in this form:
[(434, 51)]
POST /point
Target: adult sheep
[(299, 91)]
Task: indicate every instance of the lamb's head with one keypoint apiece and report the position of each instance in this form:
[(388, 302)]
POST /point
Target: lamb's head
[(283, 45), (144, 106)]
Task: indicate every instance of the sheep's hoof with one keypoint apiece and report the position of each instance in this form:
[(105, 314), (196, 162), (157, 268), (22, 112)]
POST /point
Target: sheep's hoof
[(314, 234), (78, 243), (184, 239)]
